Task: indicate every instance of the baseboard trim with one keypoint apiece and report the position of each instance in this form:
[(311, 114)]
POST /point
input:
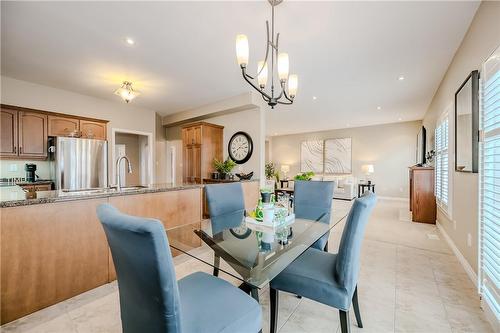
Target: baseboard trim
[(465, 264), (393, 198), (490, 315)]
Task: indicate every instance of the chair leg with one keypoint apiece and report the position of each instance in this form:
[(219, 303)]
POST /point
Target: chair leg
[(345, 326), (355, 305), (326, 247), (274, 302), (216, 265)]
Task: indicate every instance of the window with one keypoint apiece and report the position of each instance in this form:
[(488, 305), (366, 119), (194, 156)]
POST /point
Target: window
[(442, 169), (489, 173)]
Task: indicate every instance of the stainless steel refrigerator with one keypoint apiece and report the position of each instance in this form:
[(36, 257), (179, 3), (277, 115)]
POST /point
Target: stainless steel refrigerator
[(79, 163)]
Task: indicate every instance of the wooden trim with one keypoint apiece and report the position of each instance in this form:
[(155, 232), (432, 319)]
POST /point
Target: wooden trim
[(202, 123), (52, 113)]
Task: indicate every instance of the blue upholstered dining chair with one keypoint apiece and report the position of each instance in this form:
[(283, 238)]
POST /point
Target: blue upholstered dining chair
[(151, 300), (313, 201), (325, 277), (226, 207)]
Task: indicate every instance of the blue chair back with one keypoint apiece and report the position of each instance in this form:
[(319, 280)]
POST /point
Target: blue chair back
[(226, 205), (347, 263), (149, 295), (313, 200)]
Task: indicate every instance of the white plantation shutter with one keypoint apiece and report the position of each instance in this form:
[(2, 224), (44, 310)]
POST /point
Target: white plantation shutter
[(442, 165), (489, 169)]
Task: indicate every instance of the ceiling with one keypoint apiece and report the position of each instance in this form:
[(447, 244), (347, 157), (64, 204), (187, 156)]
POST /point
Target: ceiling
[(348, 55)]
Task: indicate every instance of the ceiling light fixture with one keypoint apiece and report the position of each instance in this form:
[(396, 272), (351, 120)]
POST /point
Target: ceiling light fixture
[(126, 92), (401, 78), (279, 60), (379, 108), (129, 41), (315, 98)]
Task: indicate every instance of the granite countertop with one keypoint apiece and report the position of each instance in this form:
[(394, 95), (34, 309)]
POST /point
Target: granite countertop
[(14, 196)]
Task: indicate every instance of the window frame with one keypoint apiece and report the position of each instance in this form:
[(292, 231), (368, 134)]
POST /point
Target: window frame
[(445, 208)]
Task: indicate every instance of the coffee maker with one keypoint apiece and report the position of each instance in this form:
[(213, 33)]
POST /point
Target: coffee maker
[(30, 172)]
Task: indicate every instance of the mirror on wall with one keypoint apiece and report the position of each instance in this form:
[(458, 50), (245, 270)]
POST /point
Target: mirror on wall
[(467, 124)]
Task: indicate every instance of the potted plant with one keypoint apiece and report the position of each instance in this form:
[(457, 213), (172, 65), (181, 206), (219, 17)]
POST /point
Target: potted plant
[(304, 176), (224, 168)]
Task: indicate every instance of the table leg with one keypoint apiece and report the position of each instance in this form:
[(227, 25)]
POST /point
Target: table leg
[(254, 292)]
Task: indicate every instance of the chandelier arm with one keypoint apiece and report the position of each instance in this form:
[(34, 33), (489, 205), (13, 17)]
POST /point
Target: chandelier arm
[(284, 92), (267, 49), (285, 103), (252, 84), (265, 99)]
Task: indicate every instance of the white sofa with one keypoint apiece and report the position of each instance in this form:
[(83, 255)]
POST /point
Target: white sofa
[(345, 185)]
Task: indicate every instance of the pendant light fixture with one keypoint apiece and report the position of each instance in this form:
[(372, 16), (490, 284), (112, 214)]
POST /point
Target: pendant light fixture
[(126, 92), (277, 60)]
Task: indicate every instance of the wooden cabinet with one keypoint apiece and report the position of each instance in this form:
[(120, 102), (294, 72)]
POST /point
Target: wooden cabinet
[(93, 129), (202, 142), (422, 198), (63, 126), (32, 134), (25, 132), (49, 253), (36, 188), (8, 123)]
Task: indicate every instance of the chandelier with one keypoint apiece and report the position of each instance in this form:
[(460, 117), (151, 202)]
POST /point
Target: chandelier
[(126, 92), (277, 59)]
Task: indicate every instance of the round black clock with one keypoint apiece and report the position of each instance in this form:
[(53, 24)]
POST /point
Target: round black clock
[(240, 147)]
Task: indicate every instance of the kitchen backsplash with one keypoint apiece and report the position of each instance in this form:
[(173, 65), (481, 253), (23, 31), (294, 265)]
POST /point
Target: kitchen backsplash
[(15, 168)]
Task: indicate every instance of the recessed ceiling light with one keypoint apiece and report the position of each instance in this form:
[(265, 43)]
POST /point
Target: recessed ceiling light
[(400, 119), (315, 98), (401, 78), (275, 133), (129, 41), (379, 108), (347, 125)]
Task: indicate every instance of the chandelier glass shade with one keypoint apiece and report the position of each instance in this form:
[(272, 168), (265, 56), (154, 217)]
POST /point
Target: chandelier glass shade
[(288, 84), (126, 92)]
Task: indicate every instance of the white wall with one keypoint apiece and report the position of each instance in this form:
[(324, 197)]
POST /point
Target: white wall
[(390, 148), (482, 38), (247, 121), (119, 114)]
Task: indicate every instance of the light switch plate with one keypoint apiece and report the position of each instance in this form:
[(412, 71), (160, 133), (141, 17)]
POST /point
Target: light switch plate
[(13, 167)]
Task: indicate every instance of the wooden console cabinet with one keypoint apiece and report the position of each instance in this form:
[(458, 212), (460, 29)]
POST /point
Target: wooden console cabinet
[(422, 198)]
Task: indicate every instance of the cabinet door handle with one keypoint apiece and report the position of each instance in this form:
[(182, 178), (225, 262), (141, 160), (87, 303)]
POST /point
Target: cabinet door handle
[(15, 150), (20, 150)]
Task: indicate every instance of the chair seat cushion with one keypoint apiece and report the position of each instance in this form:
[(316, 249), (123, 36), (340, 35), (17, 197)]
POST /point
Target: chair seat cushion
[(210, 304), (312, 275)]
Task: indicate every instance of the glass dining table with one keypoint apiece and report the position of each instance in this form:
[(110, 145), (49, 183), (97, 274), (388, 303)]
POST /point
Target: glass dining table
[(254, 253)]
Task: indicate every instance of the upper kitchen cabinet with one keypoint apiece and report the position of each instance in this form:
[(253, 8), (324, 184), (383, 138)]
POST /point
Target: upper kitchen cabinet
[(63, 126), (93, 129), (24, 134), (32, 134), (8, 123)]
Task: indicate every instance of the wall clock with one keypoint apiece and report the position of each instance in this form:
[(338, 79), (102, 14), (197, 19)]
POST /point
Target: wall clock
[(240, 147)]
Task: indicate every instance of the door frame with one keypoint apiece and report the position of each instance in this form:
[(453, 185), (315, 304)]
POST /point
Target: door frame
[(149, 135)]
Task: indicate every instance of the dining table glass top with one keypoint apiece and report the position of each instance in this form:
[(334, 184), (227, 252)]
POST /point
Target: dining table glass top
[(254, 253)]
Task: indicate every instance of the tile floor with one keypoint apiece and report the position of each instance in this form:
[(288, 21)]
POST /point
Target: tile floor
[(409, 282)]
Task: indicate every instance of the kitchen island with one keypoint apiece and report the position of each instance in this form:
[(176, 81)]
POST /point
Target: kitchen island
[(53, 247)]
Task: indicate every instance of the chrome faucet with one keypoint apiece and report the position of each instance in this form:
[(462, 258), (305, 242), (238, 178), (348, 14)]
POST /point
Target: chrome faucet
[(118, 180)]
